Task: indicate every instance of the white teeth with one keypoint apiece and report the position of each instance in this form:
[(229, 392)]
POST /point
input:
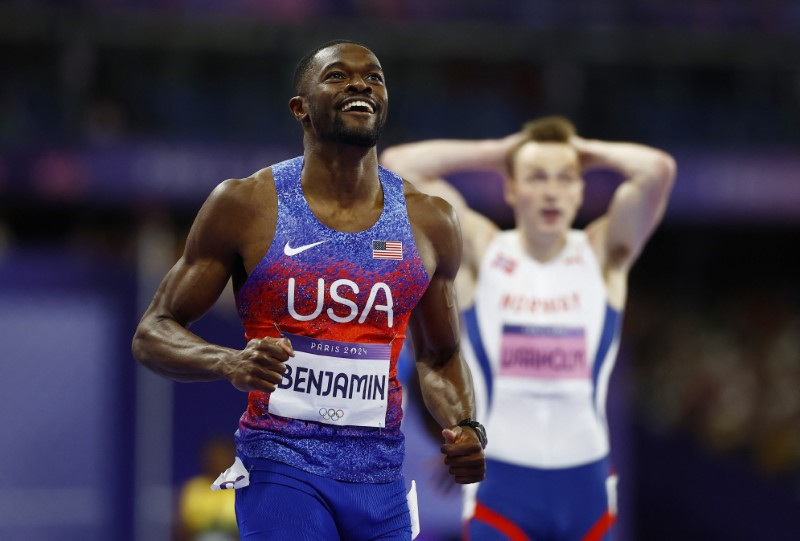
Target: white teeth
[(357, 103)]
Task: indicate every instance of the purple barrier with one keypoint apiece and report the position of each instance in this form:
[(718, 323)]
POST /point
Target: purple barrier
[(712, 185), (176, 173)]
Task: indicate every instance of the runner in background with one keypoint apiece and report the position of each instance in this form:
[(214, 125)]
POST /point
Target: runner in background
[(542, 309)]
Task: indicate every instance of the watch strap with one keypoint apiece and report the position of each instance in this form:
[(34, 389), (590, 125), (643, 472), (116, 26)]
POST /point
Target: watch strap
[(478, 428)]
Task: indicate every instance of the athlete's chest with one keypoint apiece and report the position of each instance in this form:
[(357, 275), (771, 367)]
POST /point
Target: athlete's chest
[(567, 290), (312, 273), (346, 217)]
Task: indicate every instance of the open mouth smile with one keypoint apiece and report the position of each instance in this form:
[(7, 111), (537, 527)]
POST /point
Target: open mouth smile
[(358, 106)]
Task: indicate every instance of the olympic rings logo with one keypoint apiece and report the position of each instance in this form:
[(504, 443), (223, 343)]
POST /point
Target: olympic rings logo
[(330, 414)]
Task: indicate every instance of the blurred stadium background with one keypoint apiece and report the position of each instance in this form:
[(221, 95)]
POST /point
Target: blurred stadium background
[(117, 117)]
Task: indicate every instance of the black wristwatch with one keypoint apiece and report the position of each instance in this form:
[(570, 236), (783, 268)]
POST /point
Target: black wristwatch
[(478, 428)]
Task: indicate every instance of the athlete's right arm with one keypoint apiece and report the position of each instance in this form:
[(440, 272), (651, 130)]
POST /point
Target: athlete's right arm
[(162, 341)]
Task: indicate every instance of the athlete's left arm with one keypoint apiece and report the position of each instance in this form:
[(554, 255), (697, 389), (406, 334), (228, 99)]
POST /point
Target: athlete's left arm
[(445, 379), (638, 204)]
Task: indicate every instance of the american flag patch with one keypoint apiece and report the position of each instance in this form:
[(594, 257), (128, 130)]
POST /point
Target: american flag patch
[(387, 249)]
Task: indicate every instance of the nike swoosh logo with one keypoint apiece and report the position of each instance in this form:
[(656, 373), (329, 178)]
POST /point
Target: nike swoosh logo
[(288, 250)]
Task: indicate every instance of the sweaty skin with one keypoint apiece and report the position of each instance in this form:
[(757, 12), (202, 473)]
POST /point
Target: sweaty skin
[(236, 225)]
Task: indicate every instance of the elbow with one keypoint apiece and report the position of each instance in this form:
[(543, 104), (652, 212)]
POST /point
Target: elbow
[(139, 346), (658, 177), (666, 169)]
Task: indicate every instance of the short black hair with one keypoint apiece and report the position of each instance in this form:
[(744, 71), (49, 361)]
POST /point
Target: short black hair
[(304, 64)]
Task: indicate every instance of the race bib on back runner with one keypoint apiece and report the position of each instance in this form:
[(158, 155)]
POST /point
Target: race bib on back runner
[(338, 383), (543, 352)]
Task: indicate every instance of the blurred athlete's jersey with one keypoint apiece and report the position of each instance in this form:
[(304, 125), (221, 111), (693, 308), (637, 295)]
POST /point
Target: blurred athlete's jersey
[(343, 300), (541, 341), (545, 339)]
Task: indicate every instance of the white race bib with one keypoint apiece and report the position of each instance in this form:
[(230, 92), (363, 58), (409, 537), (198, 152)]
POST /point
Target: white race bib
[(337, 383)]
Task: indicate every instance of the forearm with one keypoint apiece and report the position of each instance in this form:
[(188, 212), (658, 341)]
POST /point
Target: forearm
[(447, 390), (637, 163), (171, 350), (638, 204), (433, 159)]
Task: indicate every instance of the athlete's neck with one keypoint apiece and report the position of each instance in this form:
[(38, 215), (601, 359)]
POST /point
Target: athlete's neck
[(343, 189), (542, 247), (343, 173)]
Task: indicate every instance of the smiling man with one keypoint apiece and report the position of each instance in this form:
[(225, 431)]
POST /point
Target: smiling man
[(331, 258), (542, 306)]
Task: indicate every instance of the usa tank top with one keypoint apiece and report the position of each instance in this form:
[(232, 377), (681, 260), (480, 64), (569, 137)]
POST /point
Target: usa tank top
[(343, 300)]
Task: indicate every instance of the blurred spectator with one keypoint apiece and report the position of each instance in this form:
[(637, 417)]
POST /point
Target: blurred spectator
[(206, 515), (728, 375)]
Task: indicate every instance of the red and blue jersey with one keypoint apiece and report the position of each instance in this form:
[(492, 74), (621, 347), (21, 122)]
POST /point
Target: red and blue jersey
[(323, 286)]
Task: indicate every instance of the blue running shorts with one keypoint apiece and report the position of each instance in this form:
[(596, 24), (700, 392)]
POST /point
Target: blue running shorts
[(520, 504), (286, 503)]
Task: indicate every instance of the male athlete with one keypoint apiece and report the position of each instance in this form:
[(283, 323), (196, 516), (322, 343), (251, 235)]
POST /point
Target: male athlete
[(330, 257), (542, 307)]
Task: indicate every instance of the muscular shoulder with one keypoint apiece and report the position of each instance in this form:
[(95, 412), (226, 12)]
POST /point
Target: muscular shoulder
[(232, 212), (436, 230), (419, 201), (243, 194)]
